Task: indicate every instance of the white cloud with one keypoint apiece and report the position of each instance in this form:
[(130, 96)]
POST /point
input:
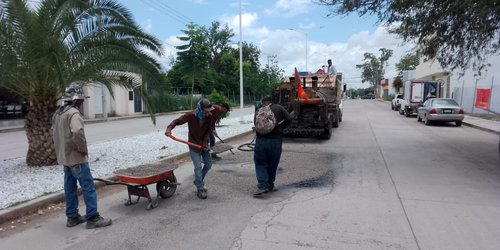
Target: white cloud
[(289, 8), (248, 22), (345, 55), (200, 1), (233, 21)]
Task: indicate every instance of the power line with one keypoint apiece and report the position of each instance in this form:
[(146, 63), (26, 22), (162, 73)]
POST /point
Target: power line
[(162, 10), (175, 12)]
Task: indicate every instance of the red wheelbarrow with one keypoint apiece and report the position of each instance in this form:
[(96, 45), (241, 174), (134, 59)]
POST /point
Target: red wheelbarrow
[(138, 178)]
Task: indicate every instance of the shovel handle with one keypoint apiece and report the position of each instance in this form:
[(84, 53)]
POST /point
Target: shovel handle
[(219, 138), (183, 141)]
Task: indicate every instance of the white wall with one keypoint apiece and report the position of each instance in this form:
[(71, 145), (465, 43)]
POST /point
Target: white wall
[(120, 103), (463, 88)]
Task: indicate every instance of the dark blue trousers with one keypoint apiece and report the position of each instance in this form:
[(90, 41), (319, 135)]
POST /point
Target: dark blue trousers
[(267, 155)]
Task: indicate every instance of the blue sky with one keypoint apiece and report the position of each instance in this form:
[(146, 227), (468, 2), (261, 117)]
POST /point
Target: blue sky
[(267, 24)]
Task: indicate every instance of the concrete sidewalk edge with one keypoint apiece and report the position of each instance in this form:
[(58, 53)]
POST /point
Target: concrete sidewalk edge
[(99, 120), (32, 206), (465, 123), (480, 128)]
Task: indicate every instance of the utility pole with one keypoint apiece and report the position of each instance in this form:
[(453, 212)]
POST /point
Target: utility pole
[(269, 69), (241, 67)]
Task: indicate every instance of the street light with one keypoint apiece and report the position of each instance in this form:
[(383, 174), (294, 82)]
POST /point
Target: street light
[(241, 67), (269, 68), (306, 42)]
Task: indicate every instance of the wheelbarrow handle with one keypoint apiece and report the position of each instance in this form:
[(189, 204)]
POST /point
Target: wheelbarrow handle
[(183, 141), (108, 182)]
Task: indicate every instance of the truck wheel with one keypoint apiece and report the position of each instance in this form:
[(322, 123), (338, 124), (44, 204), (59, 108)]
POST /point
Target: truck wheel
[(459, 123), (418, 118), (335, 123), (328, 132), (401, 111), (340, 117), (407, 114), (392, 106)]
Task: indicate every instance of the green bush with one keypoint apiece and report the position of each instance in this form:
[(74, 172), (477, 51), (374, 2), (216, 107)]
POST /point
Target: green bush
[(218, 98), (167, 102), (388, 97)]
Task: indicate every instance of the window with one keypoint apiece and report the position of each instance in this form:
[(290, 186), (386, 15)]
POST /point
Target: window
[(131, 95)]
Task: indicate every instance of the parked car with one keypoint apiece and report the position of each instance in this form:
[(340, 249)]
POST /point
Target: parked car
[(396, 102), (440, 109), (368, 96)]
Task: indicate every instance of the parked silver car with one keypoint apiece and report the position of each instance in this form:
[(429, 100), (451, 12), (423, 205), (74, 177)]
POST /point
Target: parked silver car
[(440, 109)]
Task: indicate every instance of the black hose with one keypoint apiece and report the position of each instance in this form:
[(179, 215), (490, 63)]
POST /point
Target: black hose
[(247, 146)]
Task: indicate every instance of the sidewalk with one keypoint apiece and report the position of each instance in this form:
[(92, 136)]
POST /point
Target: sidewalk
[(475, 122), (18, 124), (482, 124), (471, 121)]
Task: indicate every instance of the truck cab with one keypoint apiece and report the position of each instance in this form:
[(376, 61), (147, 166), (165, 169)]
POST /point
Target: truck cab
[(416, 93)]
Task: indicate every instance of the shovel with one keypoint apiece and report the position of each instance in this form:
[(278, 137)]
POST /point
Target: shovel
[(183, 141), (223, 147)]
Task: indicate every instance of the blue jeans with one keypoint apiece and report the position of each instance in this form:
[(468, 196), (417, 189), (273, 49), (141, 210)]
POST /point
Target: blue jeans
[(72, 175), (212, 140), (267, 155), (200, 172)]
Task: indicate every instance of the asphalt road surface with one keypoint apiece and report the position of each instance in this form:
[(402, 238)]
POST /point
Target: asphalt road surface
[(383, 181)]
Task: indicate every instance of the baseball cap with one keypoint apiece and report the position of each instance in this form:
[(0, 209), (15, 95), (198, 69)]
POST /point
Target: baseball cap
[(206, 104)]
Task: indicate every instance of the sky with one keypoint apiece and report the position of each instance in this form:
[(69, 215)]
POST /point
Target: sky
[(280, 28)]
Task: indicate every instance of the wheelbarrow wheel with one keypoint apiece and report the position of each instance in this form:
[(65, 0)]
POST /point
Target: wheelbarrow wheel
[(165, 188)]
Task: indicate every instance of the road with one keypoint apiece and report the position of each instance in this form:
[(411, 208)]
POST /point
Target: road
[(15, 144), (382, 181)]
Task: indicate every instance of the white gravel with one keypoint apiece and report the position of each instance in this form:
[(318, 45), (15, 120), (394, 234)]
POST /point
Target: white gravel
[(19, 182)]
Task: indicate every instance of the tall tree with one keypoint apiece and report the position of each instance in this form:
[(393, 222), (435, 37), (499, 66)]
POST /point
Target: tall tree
[(43, 50), (373, 67), (459, 34), (219, 39), (194, 55), (407, 62)]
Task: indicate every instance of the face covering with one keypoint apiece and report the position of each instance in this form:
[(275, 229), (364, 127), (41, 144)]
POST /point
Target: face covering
[(199, 111)]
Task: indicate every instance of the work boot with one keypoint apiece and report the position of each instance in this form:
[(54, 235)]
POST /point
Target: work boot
[(202, 194), (215, 157), (261, 193), (98, 221), (75, 221)]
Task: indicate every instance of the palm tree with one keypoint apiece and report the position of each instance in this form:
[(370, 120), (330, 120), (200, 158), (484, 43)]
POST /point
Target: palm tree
[(45, 48)]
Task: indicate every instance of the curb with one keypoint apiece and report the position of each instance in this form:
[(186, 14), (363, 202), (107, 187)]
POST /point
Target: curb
[(99, 120), (468, 124), (480, 128), (32, 206)]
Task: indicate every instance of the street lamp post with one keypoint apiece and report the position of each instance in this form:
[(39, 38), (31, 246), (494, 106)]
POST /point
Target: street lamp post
[(269, 69), (305, 33), (241, 67)]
